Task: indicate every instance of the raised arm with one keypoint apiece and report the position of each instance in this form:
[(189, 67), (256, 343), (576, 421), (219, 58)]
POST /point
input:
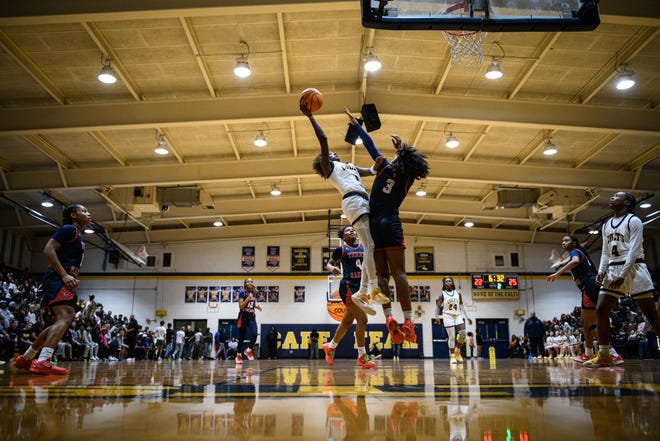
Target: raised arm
[(323, 140), (366, 139)]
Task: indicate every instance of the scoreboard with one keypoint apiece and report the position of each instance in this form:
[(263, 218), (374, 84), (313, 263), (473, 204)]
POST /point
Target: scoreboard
[(495, 281)]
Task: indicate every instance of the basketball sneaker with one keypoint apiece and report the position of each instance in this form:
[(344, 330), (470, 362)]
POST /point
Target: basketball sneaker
[(378, 296), (329, 354), (408, 329), (365, 362), (616, 361), (395, 333), (249, 354), (452, 359), (22, 363), (581, 358), (239, 359), (599, 360), (362, 301), (459, 357), (45, 367)]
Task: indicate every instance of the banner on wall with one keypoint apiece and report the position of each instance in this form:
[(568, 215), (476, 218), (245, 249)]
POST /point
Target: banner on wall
[(424, 259), (247, 259), (299, 294), (214, 294), (202, 292), (300, 258), (294, 340), (273, 257), (478, 294), (190, 295)]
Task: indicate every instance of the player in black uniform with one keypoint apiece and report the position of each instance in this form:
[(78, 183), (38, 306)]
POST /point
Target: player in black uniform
[(350, 256), (390, 187), (64, 253)]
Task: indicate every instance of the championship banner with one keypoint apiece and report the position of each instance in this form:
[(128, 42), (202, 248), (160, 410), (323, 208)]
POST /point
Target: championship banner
[(247, 259), (190, 295), (300, 258), (424, 259), (273, 257)]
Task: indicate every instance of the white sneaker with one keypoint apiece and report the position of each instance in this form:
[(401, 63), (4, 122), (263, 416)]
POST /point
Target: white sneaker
[(362, 301)]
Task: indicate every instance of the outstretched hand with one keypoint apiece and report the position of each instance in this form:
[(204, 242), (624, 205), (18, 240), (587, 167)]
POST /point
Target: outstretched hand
[(396, 140), (351, 118), (305, 110)]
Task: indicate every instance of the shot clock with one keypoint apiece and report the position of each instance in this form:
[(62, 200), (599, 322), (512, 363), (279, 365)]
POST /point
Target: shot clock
[(495, 281)]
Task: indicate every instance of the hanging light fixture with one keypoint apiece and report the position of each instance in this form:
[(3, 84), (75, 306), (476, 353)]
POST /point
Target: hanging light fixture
[(452, 142), (645, 205), (260, 140), (421, 191), (469, 223), (47, 202), (217, 223), (275, 190), (88, 230), (372, 63), (549, 149), (625, 79), (107, 74), (494, 71), (594, 232), (161, 147), (242, 69)]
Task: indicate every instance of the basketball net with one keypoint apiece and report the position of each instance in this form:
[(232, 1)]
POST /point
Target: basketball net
[(466, 47)]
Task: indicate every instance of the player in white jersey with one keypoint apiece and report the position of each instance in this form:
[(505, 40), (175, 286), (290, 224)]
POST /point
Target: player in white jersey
[(453, 312), (346, 178), (622, 271)]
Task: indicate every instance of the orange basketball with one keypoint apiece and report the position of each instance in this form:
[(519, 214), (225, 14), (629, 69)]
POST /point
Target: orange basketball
[(312, 99)]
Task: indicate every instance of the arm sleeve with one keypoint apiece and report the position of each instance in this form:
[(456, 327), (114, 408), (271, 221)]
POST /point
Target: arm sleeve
[(604, 254), (636, 244), (368, 143)]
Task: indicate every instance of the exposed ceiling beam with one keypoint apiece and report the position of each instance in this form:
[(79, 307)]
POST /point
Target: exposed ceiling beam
[(642, 159), (409, 106), (48, 149), (284, 168), (285, 55), (32, 69), (541, 51), (109, 147), (598, 147), (201, 63)]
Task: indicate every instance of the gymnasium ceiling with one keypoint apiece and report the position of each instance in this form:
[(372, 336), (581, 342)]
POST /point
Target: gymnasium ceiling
[(64, 133)]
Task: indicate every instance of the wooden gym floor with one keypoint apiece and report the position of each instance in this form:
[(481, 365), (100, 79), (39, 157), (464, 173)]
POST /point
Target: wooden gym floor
[(516, 400)]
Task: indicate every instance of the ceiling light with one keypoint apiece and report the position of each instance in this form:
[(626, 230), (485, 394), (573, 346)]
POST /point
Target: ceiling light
[(625, 79), (494, 72), (88, 231), (421, 191), (343, 216), (260, 140), (358, 141), (242, 69), (47, 202), (468, 223), (162, 147), (372, 63), (107, 74), (549, 149), (452, 141), (594, 232), (217, 223), (645, 205), (275, 190)]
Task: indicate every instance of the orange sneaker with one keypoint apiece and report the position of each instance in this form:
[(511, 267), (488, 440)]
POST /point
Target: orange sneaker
[(249, 354), (408, 329), (395, 333), (329, 354), (46, 368), (22, 363), (239, 359), (365, 362)]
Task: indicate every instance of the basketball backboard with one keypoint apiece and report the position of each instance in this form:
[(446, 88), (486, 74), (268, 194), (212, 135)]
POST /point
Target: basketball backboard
[(482, 15)]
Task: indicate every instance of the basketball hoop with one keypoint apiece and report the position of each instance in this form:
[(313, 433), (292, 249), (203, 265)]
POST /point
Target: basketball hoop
[(466, 47)]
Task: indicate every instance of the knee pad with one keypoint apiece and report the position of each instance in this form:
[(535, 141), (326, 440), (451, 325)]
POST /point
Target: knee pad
[(460, 338)]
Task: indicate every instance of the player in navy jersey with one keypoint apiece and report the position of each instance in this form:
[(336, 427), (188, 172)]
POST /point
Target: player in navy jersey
[(346, 178), (584, 274), (622, 271), (390, 187), (64, 253), (350, 256), (247, 321)]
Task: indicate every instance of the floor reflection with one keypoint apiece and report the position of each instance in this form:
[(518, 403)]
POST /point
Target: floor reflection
[(292, 399)]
